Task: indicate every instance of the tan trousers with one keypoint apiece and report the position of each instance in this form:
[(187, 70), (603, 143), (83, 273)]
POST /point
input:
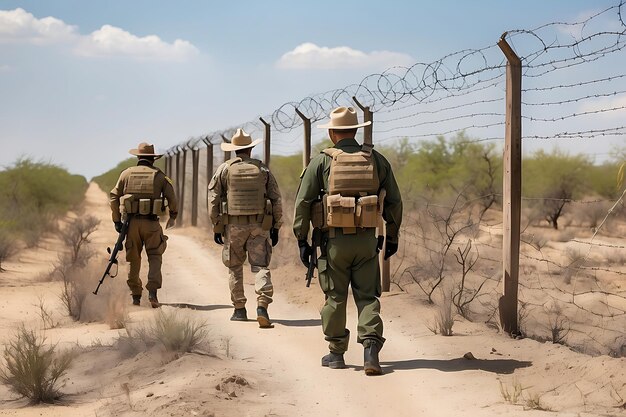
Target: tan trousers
[(251, 239), (148, 233)]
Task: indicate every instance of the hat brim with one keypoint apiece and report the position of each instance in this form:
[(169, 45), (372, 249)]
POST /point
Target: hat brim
[(229, 147), (330, 126), (137, 153)]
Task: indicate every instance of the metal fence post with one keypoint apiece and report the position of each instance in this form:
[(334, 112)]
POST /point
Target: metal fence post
[(368, 116), (209, 159), (183, 176), (512, 186), (226, 153), (195, 155), (177, 150), (267, 139), (306, 156)]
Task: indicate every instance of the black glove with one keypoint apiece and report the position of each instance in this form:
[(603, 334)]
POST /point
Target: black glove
[(390, 248), (118, 226), (305, 252), (274, 236), (217, 237)]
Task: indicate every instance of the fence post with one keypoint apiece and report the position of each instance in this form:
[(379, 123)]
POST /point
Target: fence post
[(183, 176), (368, 116), (177, 150), (226, 153), (306, 155), (267, 141), (195, 155), (209, 159), (512, 194), (384, 264)]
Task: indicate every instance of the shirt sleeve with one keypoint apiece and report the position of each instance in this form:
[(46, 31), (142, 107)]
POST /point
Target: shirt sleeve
[(273, 193), (114, 198), (308, 192), (215, 194), (392, 207)]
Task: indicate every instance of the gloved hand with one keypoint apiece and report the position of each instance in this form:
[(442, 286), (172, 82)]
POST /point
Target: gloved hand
[(274, 236), (305, 252), (217, 237), (390, 248), (118, 226)]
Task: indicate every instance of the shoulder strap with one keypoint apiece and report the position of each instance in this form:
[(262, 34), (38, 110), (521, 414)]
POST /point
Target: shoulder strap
[(367, 148), (233, 161), (332, 152)]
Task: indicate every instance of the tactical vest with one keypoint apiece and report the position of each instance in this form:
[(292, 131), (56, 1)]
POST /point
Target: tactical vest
[(139, 192), (353, 183), (245, 195)]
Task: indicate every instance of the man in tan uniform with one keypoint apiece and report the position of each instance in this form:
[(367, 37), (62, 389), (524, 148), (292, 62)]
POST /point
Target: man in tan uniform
[(246, 212), (139, 194)]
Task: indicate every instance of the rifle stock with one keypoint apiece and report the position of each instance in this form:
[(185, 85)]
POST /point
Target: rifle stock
[(119, 245)]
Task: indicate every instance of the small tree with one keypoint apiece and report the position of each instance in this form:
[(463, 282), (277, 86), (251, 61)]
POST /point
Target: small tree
[(76, 237), (552, 180)]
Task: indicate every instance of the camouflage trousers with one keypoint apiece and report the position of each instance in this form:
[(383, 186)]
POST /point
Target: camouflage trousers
[(240, 239), (149, 233)]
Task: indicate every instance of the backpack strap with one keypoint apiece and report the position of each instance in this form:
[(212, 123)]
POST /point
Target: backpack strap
[(367, 148)]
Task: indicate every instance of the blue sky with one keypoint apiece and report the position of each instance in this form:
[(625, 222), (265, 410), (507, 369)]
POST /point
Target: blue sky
[(83, 88)]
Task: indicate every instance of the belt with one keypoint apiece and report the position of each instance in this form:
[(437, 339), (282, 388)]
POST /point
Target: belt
[(146, 216), (254, 218)]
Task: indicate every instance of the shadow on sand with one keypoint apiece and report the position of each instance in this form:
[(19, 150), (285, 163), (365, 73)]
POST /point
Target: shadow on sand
[(497, 366), (197, 307), (298, 323)]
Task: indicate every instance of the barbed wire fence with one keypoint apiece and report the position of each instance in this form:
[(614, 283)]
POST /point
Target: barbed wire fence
[(573, 90)]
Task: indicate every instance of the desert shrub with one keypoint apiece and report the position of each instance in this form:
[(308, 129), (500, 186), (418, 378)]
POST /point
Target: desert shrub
[(8, 247), (76, 236), (33, 369), (34, 194), (444, 316), (169, 329)]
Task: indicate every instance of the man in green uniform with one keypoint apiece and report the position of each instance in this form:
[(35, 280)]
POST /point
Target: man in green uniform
[(140, 194), (246, 212), (355, 185)]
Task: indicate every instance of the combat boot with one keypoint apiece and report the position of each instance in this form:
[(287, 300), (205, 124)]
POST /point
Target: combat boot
[(239, 314), (334, 360), (154, 301), (263, 318), (371, 365), (136, 300)]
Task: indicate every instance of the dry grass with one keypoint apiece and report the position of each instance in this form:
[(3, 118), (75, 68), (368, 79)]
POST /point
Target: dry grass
[(513, 393), (33, 369), (444, 316), (170, 329)]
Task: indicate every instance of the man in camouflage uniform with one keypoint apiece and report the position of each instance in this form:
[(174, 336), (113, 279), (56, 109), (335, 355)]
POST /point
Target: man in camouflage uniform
[(349, 253), (246, 212), (139, 194)]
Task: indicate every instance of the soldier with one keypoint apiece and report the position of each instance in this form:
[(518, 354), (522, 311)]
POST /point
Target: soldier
[(140, 193), (355, 185), (246, 212)]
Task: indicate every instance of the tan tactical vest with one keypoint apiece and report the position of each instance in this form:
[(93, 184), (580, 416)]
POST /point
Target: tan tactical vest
[(139, 192), (245, 193), (352, 199)]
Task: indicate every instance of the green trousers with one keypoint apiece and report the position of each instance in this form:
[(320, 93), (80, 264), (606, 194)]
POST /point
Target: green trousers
[(350, 260)]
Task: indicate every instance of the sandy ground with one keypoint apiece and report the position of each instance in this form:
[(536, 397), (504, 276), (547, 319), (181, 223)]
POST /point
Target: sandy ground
[(276, 372)]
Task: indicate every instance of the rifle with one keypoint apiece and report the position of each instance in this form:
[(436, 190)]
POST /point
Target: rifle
[(119, 245), (315, 243)]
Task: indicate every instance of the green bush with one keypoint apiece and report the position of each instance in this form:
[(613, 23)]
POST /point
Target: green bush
[(34, 194), (33, 369)]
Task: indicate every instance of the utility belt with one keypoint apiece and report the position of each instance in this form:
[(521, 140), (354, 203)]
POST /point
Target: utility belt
[(347, 213), (142, 206), (265, 218), (146, 216)]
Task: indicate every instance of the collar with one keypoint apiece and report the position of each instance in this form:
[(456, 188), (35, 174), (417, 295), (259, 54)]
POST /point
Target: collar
[(347, 143), (144, 163)]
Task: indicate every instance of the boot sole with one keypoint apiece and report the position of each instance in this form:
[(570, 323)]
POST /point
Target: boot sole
[(264, 323), (155, 304), (371, 370), (335, 365), (238, 319)]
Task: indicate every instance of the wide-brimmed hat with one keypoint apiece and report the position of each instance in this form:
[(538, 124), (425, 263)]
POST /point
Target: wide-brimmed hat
[(344, 118), (145, 149), (240, 140)]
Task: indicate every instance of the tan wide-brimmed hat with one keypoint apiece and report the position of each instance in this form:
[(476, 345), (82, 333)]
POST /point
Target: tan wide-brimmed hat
[(343, 118), (240, 140), (145, 149)]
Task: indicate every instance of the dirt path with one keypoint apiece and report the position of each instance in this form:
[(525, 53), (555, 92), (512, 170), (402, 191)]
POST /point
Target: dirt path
[(424, 374)]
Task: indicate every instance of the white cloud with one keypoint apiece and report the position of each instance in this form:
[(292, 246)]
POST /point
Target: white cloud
[(19, 26), (111, 41), (310, 56)]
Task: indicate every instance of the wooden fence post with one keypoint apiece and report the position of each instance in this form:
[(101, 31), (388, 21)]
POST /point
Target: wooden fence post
[(384, 264), (306, 155), (183, 176), (512, 186), (177, 150), (267, 139), (209, 159)]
